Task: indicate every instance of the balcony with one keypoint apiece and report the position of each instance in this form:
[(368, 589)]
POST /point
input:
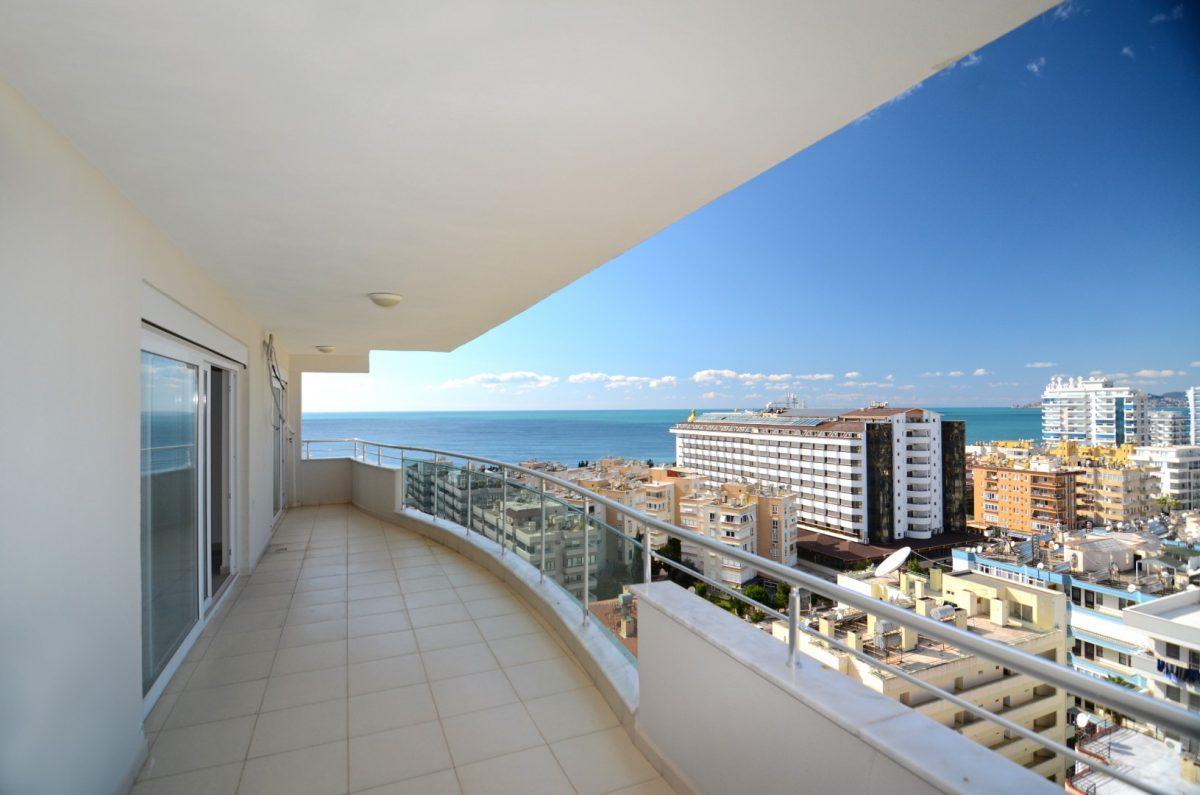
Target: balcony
[(639, 677)]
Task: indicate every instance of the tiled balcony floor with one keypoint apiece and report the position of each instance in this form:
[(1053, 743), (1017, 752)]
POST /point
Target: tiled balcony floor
[(364, 658)]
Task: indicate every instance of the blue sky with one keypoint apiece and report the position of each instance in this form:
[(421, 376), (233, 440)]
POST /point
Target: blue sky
[(1033, 210)]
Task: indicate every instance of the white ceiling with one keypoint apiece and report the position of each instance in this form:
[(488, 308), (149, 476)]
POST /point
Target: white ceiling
[(473, 156)]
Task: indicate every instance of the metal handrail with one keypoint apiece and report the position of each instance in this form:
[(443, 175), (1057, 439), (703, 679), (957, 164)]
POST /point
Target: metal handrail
[(1154, 711)]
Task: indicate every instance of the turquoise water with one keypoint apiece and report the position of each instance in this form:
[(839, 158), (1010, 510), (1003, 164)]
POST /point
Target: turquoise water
[(572, 436)]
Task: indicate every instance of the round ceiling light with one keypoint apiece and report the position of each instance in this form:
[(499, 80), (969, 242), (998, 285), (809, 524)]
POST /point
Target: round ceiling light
[(385, 299), (326, 348)]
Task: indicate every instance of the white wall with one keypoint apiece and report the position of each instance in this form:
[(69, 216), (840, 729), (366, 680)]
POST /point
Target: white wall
[(813, 729), (73, 256)]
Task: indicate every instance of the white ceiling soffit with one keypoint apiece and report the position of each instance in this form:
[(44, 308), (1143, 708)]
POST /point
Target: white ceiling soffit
[(475, 157)]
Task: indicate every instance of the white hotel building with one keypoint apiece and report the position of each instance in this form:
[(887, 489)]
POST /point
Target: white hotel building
[(1093, 411), (872, 476)]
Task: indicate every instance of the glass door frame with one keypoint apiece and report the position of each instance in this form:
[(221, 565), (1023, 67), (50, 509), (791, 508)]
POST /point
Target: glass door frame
[(162, 343)]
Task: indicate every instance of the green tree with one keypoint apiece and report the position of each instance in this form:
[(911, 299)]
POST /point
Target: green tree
[(1167, 503), (914, 566), (783, 592), (757, 616), (757, 593), (649, 462)]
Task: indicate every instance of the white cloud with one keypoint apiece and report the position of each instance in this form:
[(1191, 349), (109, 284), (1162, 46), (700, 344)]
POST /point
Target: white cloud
[(1195, 364), (974, 59), (707, 376), (709, 395), (981, 371), (956, 373), (903, 95), (888, 377), (622, 381), (587, 378), (1064, 11), (1127, 51), (932, 374), (1176, 13), (852, 374), (1041, 365), (1158, 373), (1002, 383), (523, 379), (1036, 67)]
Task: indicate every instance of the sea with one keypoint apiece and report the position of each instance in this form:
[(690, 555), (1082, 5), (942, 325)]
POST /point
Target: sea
[(573, 436)]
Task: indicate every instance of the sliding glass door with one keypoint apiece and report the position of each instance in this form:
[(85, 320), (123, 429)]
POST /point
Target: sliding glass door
[(170, 508), (187, 525)]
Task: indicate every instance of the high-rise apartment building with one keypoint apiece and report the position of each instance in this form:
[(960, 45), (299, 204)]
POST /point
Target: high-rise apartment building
[(1025, 499), (1193, 413), (874, 475), (728, 515), (1093, 411), (1178, 471), (1169, 427), (1115, 493)]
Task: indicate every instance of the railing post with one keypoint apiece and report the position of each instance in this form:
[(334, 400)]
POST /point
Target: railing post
[(378, 455), (470, 510), (793, 625), (434, 487), (586, 564), (503, 509), (646, 554), (542, 568), (403, 482)]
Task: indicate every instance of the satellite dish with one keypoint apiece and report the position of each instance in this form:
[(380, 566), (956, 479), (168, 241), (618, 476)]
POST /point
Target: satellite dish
[(893, 562), (1131, 588), (1082, 720)]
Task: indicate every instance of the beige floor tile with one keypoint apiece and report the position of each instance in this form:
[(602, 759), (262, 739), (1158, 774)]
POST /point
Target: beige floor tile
[(536, 679), (386, 674), (571, 714), (243, 643), (313, 598), (310, 771), (309, 687), (313, 657), (249, 622), (397, 754), (471, 693), (374, 590), (507, 626), (216, 703), (421, 572), (388, 644), (520, 649), (379, 623), (371, 577), (321, 583), (407, 560), (182, 675), (195, 747), (267, 589), (444, 782), (447, 635), (221, 780), (602, 761), (162, 709), (490, 590), (371, 565), (411, 586), (442, 596), (230, 670), (655, 786), (458, 661), (490, 732), (314, 614), (306, 634), (531, 772), (379, 604), (299, 727), (437, 614), (391, 709), (502, 606), (261, 604)]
